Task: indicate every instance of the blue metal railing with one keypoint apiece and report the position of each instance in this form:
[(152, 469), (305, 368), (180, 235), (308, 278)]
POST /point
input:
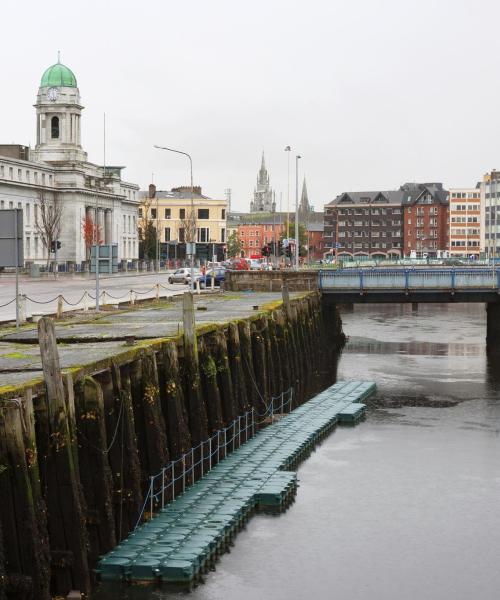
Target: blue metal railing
[(409, 279)]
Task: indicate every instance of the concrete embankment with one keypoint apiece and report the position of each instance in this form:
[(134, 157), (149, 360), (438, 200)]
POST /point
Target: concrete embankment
[(77, 450)]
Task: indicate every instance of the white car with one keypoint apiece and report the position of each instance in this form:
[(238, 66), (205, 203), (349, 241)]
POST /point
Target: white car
[(183, 275)]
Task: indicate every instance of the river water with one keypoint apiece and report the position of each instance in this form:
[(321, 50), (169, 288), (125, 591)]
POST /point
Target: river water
[(406, 505)]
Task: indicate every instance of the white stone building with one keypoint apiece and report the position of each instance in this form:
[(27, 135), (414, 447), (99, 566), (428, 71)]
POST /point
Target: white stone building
[(58, 167)]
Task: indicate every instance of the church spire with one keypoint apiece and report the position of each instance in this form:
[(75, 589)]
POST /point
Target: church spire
[(304, 200)]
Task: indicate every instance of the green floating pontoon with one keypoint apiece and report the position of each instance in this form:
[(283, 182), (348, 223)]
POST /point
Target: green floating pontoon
[(184, 540)]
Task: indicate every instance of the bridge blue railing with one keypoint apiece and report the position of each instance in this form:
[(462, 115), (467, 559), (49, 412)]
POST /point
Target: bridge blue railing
[(409, 279)]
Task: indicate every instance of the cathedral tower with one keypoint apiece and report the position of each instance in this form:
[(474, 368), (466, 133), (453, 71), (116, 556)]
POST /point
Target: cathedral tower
[(58, 115), (262, 195)]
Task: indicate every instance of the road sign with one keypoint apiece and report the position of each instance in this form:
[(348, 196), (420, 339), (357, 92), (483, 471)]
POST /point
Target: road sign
[(108, 258), (11, 238)]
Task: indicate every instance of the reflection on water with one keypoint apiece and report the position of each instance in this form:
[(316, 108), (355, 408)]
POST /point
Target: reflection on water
[(404, 506)]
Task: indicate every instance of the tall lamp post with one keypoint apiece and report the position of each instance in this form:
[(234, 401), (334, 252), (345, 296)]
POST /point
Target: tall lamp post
[(288, 149), (297, 244), (191, 232)]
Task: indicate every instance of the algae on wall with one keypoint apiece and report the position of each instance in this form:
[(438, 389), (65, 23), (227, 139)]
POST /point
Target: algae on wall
[(132, 415)]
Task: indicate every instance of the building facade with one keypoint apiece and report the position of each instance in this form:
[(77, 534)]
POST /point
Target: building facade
[(169, 212), (364, 224), (57, 175), (263, 196), (426, 213), (256, 231), (465, 222), (490, 214)]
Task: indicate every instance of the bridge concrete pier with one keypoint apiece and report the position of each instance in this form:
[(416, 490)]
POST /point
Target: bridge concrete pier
[(414, 307), (493, 326)]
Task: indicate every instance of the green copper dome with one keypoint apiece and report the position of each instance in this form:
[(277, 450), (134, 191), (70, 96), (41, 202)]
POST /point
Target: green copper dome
[(58, 76)]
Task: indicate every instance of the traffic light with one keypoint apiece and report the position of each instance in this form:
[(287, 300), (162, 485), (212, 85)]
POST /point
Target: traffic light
[(55, 245), (266, 250), (288, 252)]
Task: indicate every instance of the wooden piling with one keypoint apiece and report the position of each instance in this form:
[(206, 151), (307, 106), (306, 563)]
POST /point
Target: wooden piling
[(66, 522), (197, 414), (95, 473), (236, 366)]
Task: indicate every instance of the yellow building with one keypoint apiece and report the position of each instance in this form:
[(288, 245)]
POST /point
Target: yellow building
[(169, 212)]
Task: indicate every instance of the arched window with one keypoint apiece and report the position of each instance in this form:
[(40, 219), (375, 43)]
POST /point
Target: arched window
[(54, 127)]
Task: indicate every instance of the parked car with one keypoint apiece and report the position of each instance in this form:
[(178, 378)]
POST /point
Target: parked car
[(183, 275), (239, 264), (218, 275), (254, 264)]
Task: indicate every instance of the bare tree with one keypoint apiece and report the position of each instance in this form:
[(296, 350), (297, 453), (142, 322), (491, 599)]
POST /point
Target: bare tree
[(189, 225), (48, 219), (147, 230)]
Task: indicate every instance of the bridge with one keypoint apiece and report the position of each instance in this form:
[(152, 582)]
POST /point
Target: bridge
[(376, 285), (387, 285), (411, 285)]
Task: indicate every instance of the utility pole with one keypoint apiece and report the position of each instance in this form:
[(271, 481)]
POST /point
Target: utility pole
[(297, 244), (288, 150)]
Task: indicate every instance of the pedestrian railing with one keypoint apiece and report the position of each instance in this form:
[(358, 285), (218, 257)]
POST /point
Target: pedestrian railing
[(409, 279), (174, 477)]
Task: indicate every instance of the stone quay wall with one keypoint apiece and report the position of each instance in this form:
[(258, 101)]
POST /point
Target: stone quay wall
[(75, 461)]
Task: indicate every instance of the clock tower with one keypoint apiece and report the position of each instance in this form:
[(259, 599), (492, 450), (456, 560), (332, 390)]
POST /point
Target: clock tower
[(58, 115)]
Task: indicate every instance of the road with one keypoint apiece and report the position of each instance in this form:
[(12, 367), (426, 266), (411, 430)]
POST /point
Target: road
[(42, 294)]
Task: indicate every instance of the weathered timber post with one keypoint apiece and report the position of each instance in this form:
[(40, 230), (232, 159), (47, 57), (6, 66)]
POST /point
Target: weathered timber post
[(260, 363), (40, 507), (124, 457), (154, 424), (275, 353), (247, 362), (60, 307), (237, 372), (230, 407), (196, 407), (174, 409), (21, 301), (25, 551), (209, 384), (95, 473), (65, 505)]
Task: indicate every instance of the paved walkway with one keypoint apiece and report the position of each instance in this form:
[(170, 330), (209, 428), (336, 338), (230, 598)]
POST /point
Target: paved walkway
[(88, 338), (42, 293)]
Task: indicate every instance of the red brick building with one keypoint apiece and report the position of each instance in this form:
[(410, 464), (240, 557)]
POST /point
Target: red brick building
[(257, 231), (426, 218)]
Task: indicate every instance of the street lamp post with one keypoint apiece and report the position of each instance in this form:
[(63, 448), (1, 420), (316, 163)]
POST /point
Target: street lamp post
[(288, 149), (191, 233), (297, 245)]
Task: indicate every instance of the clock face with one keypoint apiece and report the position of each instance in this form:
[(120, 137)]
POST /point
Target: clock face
[(52, 94)]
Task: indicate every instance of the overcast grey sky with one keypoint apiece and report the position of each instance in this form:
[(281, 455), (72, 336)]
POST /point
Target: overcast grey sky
[(371, 93)]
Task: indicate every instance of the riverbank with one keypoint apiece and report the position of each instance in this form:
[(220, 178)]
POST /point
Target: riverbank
[(74, 472)]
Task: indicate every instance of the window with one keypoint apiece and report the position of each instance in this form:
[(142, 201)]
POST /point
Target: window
[(140, 213), (11, 173), (36, 177), (27, 176), (222, 235), (223, 216), (2, 171), (203, 213), (167, 234), (250, 243), (43, 178), (182, 213), (54, 128), (182, 233), (27, 215), (203, 233), (168, 213), (19, 174), (153, 213)]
